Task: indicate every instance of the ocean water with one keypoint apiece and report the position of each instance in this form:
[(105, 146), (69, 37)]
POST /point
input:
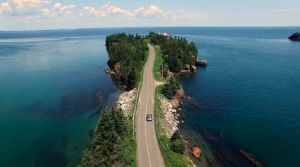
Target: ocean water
[(53, 87), (248, 97)]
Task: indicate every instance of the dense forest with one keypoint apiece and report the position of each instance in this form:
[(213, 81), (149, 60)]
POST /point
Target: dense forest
[(295, 37), (170, 87), (129, 52), (177, 52), (112, 142)]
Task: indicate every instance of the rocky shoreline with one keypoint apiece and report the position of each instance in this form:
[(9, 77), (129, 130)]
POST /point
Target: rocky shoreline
[(126, 101), (172, 121)]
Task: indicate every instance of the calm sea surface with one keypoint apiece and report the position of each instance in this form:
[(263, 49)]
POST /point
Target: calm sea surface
[(53, 87)]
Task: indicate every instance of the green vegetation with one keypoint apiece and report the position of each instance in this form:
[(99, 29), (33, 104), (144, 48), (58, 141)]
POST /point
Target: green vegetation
[(167, 146), (158, 62), (295, 36), (176, 52), (169, 89), (177, 144), (130, 51), (112, 142)]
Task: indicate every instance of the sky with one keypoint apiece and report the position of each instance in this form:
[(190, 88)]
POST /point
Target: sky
[(68, 14)]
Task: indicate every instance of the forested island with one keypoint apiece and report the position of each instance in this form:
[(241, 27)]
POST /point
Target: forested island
[(295, 37)]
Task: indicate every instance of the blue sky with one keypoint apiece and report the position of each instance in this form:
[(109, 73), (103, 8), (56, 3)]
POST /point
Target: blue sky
[(61, 14)]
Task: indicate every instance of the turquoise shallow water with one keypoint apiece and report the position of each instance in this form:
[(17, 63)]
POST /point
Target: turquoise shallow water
[(50, 83), (51, 88)]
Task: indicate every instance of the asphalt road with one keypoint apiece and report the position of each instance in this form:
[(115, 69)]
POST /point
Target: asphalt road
[(148, 153)]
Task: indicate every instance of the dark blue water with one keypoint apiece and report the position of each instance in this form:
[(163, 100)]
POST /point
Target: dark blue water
[(249, 92), (52, 87)]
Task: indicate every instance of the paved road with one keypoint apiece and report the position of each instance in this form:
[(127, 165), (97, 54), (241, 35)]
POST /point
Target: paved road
[(148, 153)]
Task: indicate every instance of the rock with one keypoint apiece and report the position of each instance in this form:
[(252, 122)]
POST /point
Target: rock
[(173, 111), (253, 159), (169, 123), (193, 69), (201, 62), (126, 101), (187, 67), (184, 71), (117, 68), (175, 103), (188, 98), (196, 152), (179, 93), (114, 66)]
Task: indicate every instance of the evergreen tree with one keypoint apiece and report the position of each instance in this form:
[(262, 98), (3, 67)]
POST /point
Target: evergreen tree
[(177, 144), (120, 122), (176, 51), (175, 136), (132, 78), (111, 142), (167, 91)]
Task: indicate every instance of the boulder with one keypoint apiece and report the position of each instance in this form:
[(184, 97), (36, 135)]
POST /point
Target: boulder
[(187, 67), (201, 62), (179, 93), (196, 152), (114, 66), (117, 68), (175, 103), (193, 69)]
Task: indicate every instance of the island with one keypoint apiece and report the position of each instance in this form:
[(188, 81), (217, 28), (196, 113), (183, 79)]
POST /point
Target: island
[(295, 37)]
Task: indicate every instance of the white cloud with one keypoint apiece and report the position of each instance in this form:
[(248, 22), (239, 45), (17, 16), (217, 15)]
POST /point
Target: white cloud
[(63, 10), (90, 12), (108, 10), (59, 7), (152, 12), (22, 7), (39, 11), (111, 10), (286, 10)]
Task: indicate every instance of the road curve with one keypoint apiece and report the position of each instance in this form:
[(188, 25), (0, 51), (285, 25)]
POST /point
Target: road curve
[(148, 153)]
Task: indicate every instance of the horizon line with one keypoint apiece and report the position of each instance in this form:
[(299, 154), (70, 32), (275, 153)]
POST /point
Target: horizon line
[(154, 27)]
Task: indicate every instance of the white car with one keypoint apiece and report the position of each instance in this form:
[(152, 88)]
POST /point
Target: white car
[(149, 117)]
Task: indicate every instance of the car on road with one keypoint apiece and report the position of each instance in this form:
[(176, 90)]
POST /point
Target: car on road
[(149, 117)]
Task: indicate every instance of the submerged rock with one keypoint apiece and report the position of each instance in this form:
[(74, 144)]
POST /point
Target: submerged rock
[(253, 159)]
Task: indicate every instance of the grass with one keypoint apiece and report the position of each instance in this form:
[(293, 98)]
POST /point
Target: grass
[(158, 62), (173, 159)]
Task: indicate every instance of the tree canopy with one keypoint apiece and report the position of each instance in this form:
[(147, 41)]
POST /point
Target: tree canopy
[(177, 52), (169, 89), (295, 36), (177, 144), (130, 51), (112, 143)]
